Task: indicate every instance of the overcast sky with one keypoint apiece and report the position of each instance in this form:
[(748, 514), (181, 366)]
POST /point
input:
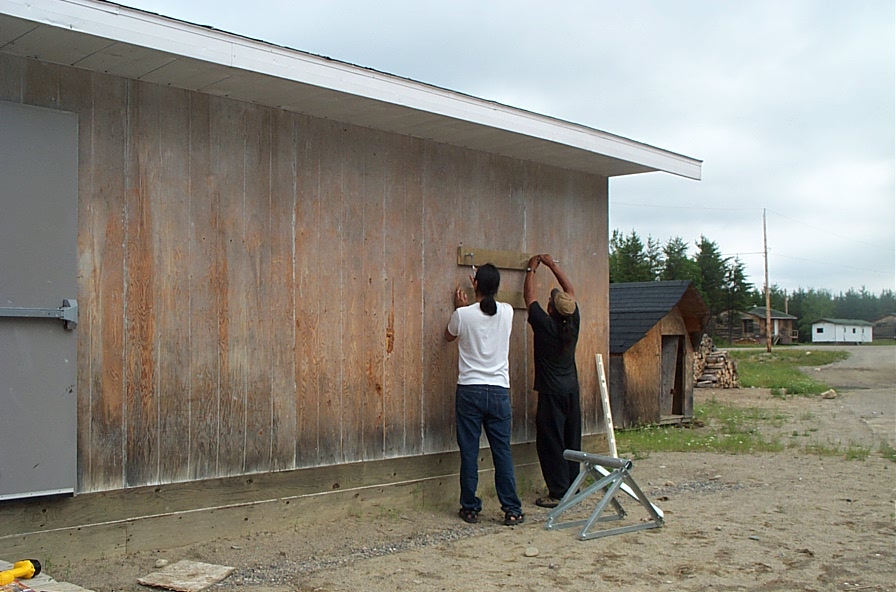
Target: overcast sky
[(789, 104)]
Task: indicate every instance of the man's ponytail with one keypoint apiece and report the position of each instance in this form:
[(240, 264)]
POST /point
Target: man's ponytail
[(488, 278)]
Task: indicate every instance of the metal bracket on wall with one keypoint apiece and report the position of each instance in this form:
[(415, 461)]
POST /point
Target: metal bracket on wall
[(67, 313)]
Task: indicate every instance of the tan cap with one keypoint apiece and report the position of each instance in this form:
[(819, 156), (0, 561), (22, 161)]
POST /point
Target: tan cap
[(563, 302)]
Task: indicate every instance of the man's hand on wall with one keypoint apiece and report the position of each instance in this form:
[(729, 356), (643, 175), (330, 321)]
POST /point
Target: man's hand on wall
[(460, 297)]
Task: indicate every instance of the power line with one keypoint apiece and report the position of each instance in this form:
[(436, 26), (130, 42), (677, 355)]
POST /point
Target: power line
[(841, 266), (827, 231), (678, 207)]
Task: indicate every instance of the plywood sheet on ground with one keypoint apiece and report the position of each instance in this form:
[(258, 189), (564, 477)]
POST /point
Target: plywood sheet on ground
[(186, 576)]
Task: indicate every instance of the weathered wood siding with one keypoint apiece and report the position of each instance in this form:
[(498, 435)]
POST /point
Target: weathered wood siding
[(643, 368), (262, 291)]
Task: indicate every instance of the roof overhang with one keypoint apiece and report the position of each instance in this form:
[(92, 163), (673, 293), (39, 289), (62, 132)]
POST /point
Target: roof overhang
[(104, 37)]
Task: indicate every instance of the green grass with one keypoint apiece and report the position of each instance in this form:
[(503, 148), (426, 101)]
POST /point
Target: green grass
[(857, 452), (851, 452), (726, 429), (887, 451), (780, 369)]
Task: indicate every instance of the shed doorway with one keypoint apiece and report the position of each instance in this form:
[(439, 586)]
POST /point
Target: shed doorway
[(672, 394)]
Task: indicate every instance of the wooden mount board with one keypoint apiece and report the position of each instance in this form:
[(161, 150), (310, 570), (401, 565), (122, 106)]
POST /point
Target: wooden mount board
[(468, 256)]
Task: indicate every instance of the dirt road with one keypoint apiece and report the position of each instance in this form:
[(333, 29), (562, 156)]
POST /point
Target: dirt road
[(867, 379), (794, 520)]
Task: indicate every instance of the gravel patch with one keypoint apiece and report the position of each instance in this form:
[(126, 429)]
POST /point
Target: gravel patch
[(709, 486), (290, 570)]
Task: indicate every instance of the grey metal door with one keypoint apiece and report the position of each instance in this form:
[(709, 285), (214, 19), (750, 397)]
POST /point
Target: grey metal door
[(38, 259)]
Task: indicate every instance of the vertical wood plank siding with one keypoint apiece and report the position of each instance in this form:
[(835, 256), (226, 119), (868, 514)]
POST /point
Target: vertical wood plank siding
[(261, 290), (205, 270), (282, 342), (643, 379)]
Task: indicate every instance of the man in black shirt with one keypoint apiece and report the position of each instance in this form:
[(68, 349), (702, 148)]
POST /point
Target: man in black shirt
[(558, 420)]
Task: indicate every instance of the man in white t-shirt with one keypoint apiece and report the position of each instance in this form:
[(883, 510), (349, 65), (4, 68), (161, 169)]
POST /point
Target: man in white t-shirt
[(482, 331)]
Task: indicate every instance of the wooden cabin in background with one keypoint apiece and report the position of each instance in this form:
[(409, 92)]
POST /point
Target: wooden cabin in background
[(654, 329), (885, 327), (264, 245), (750, 326)]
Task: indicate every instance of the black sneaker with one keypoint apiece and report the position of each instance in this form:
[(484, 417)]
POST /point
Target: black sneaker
[(547, 502)]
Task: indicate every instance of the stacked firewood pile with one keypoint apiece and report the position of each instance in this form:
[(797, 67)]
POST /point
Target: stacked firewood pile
[(714, 367)]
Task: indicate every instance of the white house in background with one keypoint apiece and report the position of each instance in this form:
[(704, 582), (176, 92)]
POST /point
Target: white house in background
[(841, 331)]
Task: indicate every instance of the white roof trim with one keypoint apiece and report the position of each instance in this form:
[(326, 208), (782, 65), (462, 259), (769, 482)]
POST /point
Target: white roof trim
[(388, 99)]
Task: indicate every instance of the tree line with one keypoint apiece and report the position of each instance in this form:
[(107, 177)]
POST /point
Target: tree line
[(722, 282)]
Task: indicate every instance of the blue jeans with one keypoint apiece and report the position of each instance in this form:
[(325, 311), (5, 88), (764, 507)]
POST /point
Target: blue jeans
[(479, 406)]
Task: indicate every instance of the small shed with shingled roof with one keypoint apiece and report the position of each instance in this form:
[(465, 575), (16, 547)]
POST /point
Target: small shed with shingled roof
[(654, 330)]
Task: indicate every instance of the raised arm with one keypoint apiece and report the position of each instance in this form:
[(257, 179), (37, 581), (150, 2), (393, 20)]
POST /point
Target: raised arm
[(529, 282), (565, 284)]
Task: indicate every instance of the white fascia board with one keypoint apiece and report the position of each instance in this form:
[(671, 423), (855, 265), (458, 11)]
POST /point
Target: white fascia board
[(126, 25)]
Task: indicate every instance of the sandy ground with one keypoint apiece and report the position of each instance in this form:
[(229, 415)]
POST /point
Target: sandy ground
[(783, 521)]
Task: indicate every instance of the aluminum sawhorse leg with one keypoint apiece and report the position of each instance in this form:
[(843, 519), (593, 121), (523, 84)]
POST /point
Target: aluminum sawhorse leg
[(610, 482)]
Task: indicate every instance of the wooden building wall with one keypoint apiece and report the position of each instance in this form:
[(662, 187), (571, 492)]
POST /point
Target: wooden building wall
[(642, 367), (261, 291), (884, 328)]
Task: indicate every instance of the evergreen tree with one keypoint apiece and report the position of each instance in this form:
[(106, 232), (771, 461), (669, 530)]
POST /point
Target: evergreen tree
[(722, 282), (809, 306), (738, 291), (857, 305), (676, 263), (886, 304), (757, 296), (628, 260), (712, 280), (778, 297), (654, 257)]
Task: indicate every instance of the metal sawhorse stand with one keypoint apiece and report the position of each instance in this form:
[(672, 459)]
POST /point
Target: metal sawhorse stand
[(610, 482)]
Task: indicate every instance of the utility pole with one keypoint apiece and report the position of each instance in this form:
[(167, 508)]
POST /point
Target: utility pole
[(768, 298)]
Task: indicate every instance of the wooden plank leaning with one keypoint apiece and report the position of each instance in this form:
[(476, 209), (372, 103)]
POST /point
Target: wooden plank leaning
[(605, 401)]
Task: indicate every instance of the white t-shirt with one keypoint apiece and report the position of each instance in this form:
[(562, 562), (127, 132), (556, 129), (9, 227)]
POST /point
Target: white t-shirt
[(483, 342)]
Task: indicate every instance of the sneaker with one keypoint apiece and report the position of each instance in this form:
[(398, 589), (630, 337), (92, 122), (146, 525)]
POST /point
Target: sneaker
[(547, 502)]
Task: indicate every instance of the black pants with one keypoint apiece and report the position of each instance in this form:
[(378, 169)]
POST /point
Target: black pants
[(558, 427)]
